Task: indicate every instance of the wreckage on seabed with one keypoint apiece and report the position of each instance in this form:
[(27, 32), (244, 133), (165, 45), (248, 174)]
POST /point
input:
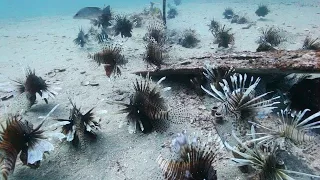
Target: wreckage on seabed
[(277, 62)]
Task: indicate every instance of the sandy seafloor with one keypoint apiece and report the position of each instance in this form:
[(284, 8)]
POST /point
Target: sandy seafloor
[(46, 44)]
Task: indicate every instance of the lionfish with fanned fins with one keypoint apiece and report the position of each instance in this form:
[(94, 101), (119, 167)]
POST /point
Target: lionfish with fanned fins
[(147, 109), (112, 59), (196, 160), (21, 137), (267, 165), (240, 99), (292, 127), (34, 84), (154, 54), (28, 90), (79, 126), (216, 75), (156, 31), (82, 38)]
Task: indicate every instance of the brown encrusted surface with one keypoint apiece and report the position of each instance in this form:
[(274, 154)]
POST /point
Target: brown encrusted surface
[(253, 62)]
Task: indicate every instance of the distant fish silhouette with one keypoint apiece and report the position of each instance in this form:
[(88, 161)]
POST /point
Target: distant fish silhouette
[(91, 12)]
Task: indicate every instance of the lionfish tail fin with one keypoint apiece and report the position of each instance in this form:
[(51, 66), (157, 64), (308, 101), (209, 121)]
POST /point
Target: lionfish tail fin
[(179, 114)]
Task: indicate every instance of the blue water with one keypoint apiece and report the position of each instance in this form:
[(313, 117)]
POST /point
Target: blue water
[(33, 8)]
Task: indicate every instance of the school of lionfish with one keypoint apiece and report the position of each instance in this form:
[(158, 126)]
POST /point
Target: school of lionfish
[(238, 95)]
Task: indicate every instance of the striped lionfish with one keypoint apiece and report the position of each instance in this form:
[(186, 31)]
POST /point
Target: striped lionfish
[(292, 127), (78, 126), (195, 162), (154, 54), (21, 137), (156, 31), (82, 38), (112, 58), (240, 99), (32, 85), (147, 109), (266, 164), (215, 75)]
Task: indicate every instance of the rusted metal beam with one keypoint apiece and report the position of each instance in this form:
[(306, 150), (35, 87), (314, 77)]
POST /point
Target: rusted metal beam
[(279, 62)]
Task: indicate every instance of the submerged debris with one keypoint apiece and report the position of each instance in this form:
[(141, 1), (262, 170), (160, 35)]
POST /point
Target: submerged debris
[(123, 26), (112, 59), (147, 109), (82, 38)]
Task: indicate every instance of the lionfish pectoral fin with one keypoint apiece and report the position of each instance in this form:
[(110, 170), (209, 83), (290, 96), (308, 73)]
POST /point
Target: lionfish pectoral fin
[(132, 128), (55, 135), (141, 125), (70, 135), (36, 153)]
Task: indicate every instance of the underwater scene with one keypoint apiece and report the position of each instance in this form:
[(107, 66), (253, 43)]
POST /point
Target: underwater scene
[(160, 90)]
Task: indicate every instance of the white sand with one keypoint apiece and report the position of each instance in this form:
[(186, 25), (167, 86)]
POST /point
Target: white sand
[(46, 44)]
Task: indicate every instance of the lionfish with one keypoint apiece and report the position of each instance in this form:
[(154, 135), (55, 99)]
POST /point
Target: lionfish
[(27, 90), (34, 84), (99, 35), (78, 126), (292, 127), (112, 58), (311, 44), (266, 164), (104, 20), (154, 54), (82, 38), (216, 75), (21, 137), (156, 31), (123, 26), (147, 109), (196, 159), (240, 99)]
